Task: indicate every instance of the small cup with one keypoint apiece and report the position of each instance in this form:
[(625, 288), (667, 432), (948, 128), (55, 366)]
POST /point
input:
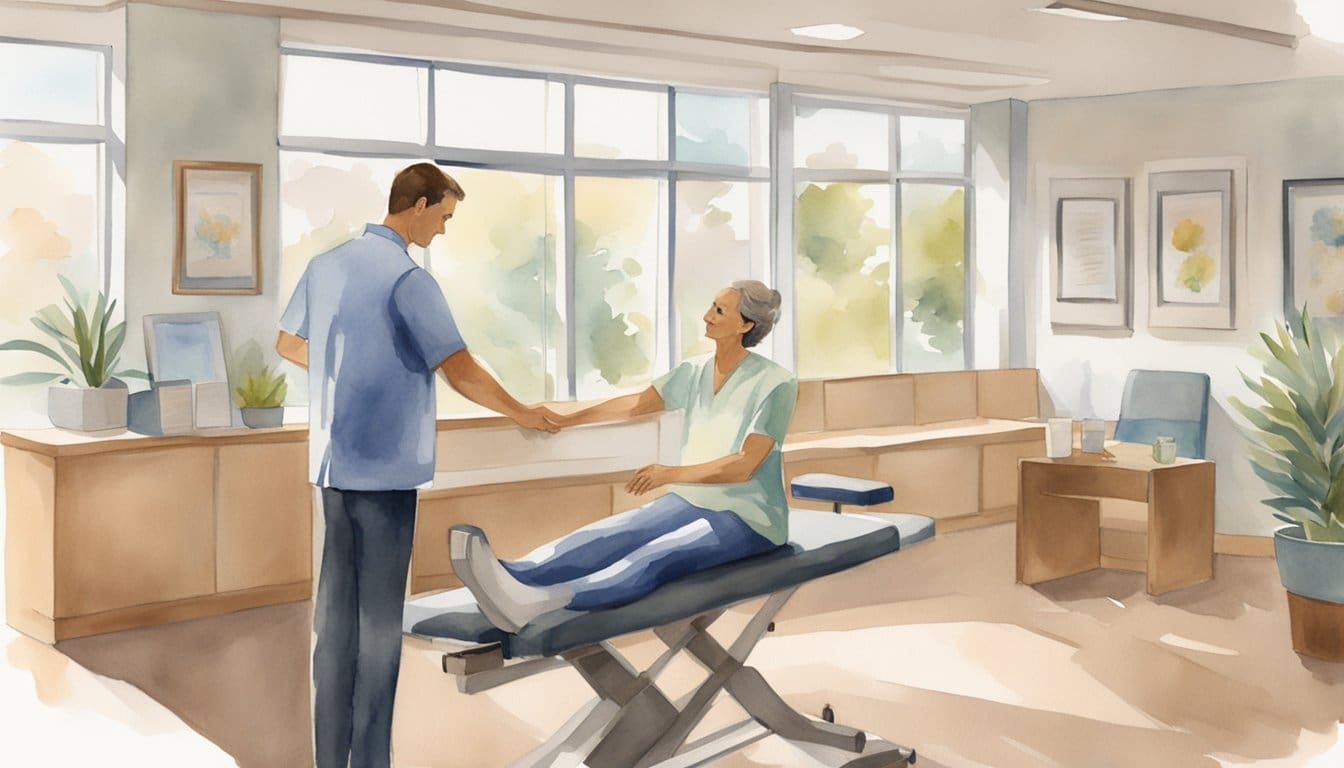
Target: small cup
[(1059, 438), (1164, 450), (1094, 435)]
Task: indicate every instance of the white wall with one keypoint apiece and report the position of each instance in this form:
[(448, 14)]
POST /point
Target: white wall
[(200, 86), (1287, 130)]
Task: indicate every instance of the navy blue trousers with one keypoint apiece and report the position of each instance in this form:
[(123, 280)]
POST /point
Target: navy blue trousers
[(360, 594), (622, 558)]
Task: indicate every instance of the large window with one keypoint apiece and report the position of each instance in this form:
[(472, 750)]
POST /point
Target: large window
[(880, 211), (722, 235), (497, 264), (601, 216), (54, 199)]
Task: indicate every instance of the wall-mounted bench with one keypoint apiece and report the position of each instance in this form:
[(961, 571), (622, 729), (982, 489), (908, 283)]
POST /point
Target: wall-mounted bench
[(947, 443)]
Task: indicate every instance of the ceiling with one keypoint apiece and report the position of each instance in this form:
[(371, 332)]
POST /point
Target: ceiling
[(952, 52)]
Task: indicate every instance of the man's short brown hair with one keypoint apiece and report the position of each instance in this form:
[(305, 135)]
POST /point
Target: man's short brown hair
[(425, 180)]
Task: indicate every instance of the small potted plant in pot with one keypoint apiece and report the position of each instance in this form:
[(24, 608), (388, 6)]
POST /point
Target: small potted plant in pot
[(261, 398), (1297, 448), (91, 396)]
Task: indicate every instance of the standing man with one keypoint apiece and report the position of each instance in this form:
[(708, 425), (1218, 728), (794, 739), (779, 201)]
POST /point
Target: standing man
[(371, 327)]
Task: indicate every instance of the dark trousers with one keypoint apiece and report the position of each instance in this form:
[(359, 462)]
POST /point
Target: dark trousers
[(360, 593)]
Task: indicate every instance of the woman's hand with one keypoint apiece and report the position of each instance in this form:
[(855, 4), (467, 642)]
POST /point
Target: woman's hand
[(538, 417), (648, 478)]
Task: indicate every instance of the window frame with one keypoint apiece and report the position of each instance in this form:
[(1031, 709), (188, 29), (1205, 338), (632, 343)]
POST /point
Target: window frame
[(111, 155), (785, 102), (564, 164)]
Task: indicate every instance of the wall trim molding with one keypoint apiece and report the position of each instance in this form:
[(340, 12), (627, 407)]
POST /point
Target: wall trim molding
[(1246, 546)]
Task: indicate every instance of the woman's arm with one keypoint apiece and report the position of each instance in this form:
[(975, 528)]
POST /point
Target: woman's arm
[(733, 468), (625, 406)]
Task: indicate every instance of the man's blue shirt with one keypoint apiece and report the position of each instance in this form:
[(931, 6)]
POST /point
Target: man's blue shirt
[(377, 327)]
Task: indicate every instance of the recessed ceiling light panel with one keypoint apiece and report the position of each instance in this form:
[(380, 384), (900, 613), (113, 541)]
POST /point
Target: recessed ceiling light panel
[(1103, 10), (828, 31)]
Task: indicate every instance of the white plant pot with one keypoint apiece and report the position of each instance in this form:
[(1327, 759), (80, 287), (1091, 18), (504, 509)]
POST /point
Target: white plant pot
[(88, 410)]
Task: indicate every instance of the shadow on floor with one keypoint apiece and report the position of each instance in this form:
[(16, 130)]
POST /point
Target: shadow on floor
[(241, 679)]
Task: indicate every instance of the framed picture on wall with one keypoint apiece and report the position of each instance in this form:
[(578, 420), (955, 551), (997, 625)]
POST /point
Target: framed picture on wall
[(1090, 255), (1313, 247), (1192, 246), (218, 228)]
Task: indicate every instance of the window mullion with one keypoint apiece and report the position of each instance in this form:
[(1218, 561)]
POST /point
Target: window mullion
[(668, 314), (896, 312), (431, 110), (967, 264), (570, 255), (783, 251)]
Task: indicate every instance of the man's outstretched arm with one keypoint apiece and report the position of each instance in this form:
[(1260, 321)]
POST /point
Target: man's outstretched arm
[(477, 385)]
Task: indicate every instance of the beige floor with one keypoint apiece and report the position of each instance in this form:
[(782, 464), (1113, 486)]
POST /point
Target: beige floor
[(935, 647)]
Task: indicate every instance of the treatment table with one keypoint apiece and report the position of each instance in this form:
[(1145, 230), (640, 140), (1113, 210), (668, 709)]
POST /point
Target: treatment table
[(631, 723)]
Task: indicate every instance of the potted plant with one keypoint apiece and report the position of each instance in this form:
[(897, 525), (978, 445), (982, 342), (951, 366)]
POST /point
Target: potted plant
[(1297, 448), (261, 397), (88, 354)]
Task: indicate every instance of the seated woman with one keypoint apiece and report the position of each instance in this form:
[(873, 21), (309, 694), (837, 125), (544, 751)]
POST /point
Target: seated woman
[(726, 501)]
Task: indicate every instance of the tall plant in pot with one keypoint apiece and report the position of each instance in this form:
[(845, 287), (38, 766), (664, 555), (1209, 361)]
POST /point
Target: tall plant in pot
[(1297, 448), (90, 395)]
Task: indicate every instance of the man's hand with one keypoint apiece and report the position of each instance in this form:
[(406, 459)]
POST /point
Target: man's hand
[(648, 478), (538, 417), (561, 420)]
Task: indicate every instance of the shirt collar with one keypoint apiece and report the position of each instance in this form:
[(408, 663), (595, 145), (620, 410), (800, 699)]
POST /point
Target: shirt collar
[(385, 231)]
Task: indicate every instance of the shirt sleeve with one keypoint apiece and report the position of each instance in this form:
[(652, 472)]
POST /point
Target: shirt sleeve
[(676, 385), (776, 411), (295, 319), (424, 313)]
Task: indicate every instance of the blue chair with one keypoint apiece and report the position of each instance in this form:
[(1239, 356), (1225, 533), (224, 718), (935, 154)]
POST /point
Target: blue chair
[(1171, 403)]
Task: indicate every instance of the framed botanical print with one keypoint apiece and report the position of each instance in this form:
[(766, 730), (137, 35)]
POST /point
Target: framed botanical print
[(1192, 244), (1313, 247), (218, 228)]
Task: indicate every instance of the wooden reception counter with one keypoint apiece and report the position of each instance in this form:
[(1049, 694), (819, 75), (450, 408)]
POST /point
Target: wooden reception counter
[(112, 532)]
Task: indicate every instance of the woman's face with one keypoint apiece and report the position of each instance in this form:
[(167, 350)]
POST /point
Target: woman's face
[(723, 320)]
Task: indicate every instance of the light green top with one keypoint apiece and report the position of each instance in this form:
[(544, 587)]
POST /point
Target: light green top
[(757, 397)]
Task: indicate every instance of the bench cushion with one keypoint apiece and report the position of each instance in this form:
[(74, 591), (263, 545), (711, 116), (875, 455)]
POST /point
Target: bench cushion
[(820, 543), (846, 490)]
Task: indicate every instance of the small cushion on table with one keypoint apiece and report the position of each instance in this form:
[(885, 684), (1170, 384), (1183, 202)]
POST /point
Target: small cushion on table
[(846, 490)]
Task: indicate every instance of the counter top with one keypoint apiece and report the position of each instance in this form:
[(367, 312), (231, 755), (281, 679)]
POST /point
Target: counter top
[(880, 439), (60, 442)]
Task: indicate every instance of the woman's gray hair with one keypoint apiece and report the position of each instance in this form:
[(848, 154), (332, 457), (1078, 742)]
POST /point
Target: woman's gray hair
[(760, 305)]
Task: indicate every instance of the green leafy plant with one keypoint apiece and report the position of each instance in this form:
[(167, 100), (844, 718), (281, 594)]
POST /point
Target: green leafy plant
[(262, 389), (86, 348), (1297, 445)]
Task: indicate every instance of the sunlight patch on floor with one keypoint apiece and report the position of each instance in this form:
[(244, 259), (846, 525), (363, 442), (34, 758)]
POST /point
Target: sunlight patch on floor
[(59, 713), (1002, 663), (1176, 641)]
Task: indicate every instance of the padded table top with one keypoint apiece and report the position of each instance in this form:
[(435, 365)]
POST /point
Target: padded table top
[(820, 543)]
